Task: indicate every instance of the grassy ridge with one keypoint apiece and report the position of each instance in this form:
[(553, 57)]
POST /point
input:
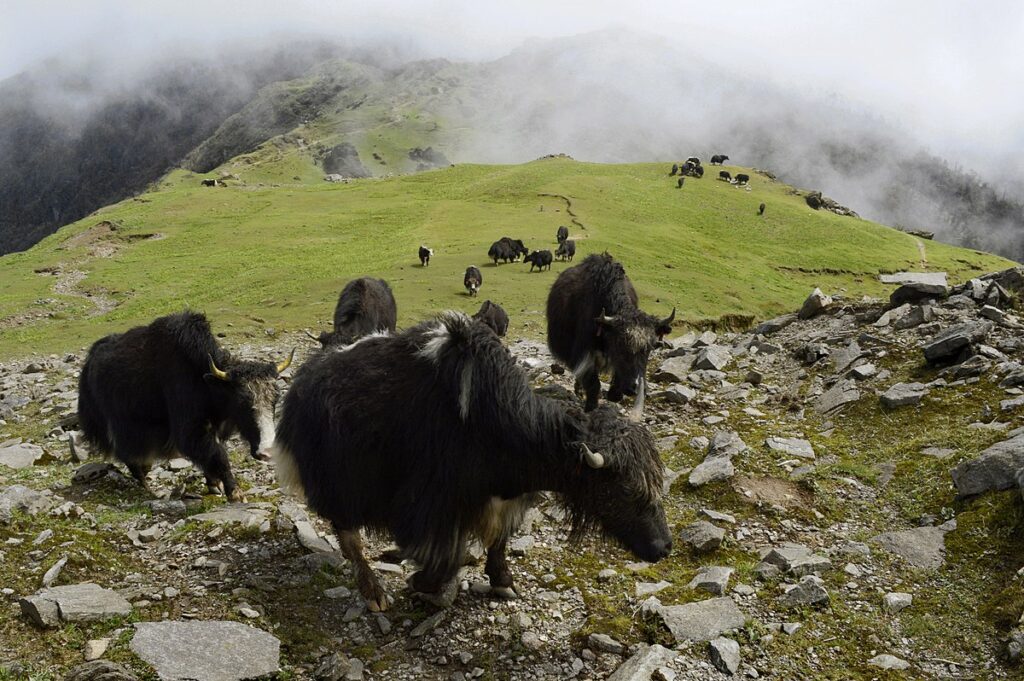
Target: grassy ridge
[(254, 255)]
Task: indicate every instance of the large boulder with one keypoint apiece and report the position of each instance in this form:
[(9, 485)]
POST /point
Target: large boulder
[(73, 603), (994, 469), (952, 343), (917, 292), (814, 305), (18, 498), (343, 160), (702, 620), (206, 651)]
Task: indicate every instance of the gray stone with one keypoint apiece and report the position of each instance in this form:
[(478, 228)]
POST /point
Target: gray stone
[(972, 366), (904, 395), (206, 651), (94, 649), (992, 313), (705, 339), (18, 498), (169, 507), (994, 469), (644, 662), (844, 357), (91, 471), (676, 394), (247, 515), (839, 395), (428, 624), (814, 305), (712, 469), (521, 545), (809, 591), (333, 667), (309, 539), (605, 644), (606, 575), (21, 455), (863, 372), (725, 655), (338, 592), (644, 589), (923, 547), (938, 452), (702, 536), (673, 369), (895, 601), (713, 579), (717, 515), (1012, 404), (100, 670), (918, 315), (1015, 645), (791, 446), (726, 443), (951, 342), (713, 358), (73, 603), (916, 292), (702, 620), (889, 662), (775, 325), (54, 572), (934, 278)]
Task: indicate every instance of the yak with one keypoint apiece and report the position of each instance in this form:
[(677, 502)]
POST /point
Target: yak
[(167, 389), (675, 169), (433, 436), (425, 254), (507, 249), (567, 249), (724, 175), (594, 324), (473, 280), (366, 305), (760, 210), (494, 316), (719, 159), (538, 259), (679, 183), (742, 178), (562, 234)]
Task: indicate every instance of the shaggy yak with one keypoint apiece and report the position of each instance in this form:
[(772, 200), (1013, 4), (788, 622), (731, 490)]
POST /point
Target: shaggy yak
[(366, 305), (433, 436)]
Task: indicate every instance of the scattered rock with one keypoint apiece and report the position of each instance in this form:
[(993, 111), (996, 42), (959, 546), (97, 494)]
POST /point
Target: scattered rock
[(702, 620), (702, 536), (712, 579), (809, 591), (889, 662), (949, 344), (726, 443), (994, 469), (916, 292), (229, 651), (713, 357), (22, 455), (725, 654), (605, 644), (643, 664), (74, 603), (791, 446), (94, 649), (934, 278), (814, 305), (895, 601), (644, 589), (92, 471), (712, 469), (904, 395), (775, 325), (246, 515), (839, 395), (923, 547)]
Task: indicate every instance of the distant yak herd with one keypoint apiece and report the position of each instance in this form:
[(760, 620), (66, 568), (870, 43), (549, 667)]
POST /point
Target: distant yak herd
[(691, 167), (431, 434)]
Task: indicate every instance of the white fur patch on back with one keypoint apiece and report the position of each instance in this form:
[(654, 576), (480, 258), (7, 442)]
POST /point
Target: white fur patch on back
[(438, 338), (288, 478), (380, 333)]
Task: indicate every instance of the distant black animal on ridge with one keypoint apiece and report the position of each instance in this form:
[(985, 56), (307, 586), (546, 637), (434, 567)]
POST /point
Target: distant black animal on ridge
[(760, 210), (724, 175), (473, 280), (366, 305), (539, 259), (562, 234), (494, 316), (675, 169), (719, 159), (594, 325), (439, 439), (679, 182), (742, 178), (167, 389), (566, 250), (425, 254)]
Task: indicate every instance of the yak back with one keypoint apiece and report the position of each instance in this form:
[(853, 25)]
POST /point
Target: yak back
[(365, 305)]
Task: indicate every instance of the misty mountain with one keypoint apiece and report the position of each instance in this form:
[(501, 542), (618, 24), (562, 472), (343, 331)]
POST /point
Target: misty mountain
[(606, 96)]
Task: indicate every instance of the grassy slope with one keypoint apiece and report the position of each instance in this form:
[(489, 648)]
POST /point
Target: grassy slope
[(281, 253)]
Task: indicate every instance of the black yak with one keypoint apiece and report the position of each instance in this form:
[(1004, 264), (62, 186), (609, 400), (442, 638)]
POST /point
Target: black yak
[(675, 169), (719, 159), (494, 316), (507, 249), (742, 178), (434, 437), (679, 183), (567, 249), (538, 259), (594, 324), (425, 254), (473, 280), (366, 305), (167, 389), (760, 210), (724, 175), (562, 234)]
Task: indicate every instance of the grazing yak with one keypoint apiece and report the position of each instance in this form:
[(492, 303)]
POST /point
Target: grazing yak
[(562, 234), (675, 169), (594, 324), (425, 254), (760, 210), (679, 183), (719, 159), (366, 305), (494, 316), (694, 160), (473, 280), (724, 175), (742, 178), (167, 389), (507, 249), (567, 249), (538, 259), (434, 437)]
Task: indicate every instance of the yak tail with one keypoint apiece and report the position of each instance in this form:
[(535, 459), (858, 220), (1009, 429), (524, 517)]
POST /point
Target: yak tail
[(288, 477)]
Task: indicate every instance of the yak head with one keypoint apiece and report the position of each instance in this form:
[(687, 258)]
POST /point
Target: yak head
[(616, 485), (629, 338), (247, 395)]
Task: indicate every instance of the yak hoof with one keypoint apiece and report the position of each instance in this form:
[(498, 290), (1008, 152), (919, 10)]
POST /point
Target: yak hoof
[(237, 496), (378, 603), (215, 489), (506, 592)]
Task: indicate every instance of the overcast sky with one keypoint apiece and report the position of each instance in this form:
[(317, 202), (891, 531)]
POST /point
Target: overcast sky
[(948, 70)]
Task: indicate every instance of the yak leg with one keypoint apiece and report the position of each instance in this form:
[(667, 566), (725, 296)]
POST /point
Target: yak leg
[(206, 452), (366, 581), (497, 569), (139, 471), (592, 387)]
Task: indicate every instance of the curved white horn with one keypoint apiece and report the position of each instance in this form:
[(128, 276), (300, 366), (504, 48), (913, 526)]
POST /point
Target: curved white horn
[(594, 459), (637, 413)]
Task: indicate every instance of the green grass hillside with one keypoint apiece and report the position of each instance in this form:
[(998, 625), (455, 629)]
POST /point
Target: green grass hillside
[(254, 255)]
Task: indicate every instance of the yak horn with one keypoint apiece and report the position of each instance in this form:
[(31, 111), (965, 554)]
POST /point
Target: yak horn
[(285, 364), (604, 318), (310, 334), (636, 414), (222, 375), (668, 320), (594, 459)]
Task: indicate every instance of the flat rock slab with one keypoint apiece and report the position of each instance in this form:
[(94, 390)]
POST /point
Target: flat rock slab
[(641, 666), (923, 547), (712, 469), (934, 278), (791, 446), (702, 620), (839, 395), (247, 515), (21, 455), (726, 443), (18, 498), (994, 469), (86, 602), (904, 395), (954, 340), (206, 651)]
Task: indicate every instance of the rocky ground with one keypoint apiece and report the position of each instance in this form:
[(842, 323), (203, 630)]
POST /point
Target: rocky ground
[(844, 492)]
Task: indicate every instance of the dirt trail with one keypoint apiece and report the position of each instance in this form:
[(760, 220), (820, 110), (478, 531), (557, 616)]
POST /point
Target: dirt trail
[(921, 250), (568, 208)]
